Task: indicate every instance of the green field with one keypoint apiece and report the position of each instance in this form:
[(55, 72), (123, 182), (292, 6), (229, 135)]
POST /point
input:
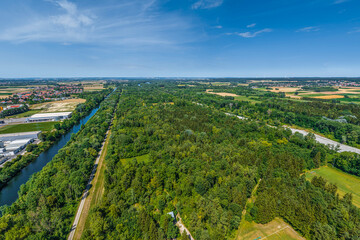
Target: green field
[(144, 158), (44, 126), (249, 99), (346, 183), (275, 230)]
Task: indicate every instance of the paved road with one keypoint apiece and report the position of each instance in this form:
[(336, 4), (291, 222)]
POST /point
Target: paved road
[(318, 138), (326, 141), (86, 192)]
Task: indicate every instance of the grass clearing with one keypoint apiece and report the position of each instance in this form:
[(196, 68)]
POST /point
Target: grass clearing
[(68, 105), (275, 230), (248, 99), (346, 183), (144, 158), (30, 127)]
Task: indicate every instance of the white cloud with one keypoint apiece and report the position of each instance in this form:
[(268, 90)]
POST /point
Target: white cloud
[(251, 25), (218, 27), (251, 34), (356, 30), (134, 23), (206, 4), (309, 29), (340, 1)]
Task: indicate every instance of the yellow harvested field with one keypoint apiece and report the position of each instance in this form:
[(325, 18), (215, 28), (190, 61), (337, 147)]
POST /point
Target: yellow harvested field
[(329, 97), (221, 94), (284, 89), (68, 105), (294, 96)]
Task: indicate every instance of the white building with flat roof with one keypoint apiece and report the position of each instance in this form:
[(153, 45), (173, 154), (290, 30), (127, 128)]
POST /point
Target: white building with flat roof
[(43, 117), (18, 136)]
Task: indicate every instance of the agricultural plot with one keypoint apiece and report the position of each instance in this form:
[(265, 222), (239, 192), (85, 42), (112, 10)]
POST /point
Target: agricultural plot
[(275, 230), (93, 87), (68, 105), (346, 183), (223, 94), (44, 126), (284, 89)]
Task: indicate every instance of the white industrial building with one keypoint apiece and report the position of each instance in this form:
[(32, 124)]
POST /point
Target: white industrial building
[(16, 146), (17, 136), (13, 143), (43, 117)]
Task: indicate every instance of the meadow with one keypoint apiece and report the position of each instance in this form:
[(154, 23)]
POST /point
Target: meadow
[(346, 183), (275, 230), (43, 126)]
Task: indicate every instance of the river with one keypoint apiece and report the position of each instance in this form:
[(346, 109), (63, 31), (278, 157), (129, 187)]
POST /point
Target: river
[(9, 193)]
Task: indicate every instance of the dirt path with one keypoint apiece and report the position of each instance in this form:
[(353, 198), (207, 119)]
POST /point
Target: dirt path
[(251, 199), (85, 203), (182, 227)]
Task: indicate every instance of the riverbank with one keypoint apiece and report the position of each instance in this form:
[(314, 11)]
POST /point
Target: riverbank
[(19, 171)]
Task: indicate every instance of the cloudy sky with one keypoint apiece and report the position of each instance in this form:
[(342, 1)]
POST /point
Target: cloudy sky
[(190, 38)]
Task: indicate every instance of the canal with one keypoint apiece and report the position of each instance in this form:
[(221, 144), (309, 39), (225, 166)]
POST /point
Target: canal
[(9, 193)]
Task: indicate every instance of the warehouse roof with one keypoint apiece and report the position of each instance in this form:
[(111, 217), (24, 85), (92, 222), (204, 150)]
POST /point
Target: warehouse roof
[(21, 134), (58, 114)]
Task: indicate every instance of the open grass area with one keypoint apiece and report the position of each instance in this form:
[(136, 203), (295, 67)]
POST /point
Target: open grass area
[(249, 99), (144, 158), (346, 183), (42, 126), (275, 230)]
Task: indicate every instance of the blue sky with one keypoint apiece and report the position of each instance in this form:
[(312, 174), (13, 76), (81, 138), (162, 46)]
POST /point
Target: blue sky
[(190, 38)]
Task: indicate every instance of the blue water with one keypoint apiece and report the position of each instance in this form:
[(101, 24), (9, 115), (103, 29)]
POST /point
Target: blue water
[(9, 193)]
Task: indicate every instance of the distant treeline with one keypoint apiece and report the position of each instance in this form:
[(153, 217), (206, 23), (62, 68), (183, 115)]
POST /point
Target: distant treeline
[(14, 111)]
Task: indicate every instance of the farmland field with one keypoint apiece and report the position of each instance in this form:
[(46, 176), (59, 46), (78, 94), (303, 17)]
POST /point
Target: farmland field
[(275, 230), (44, 126), (223, 94), (346, 183)]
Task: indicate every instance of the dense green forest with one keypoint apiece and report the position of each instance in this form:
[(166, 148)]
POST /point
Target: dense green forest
[(173, 149), (168, 154), (340, 122), (347, 162), (48, 201), (12, 168)]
